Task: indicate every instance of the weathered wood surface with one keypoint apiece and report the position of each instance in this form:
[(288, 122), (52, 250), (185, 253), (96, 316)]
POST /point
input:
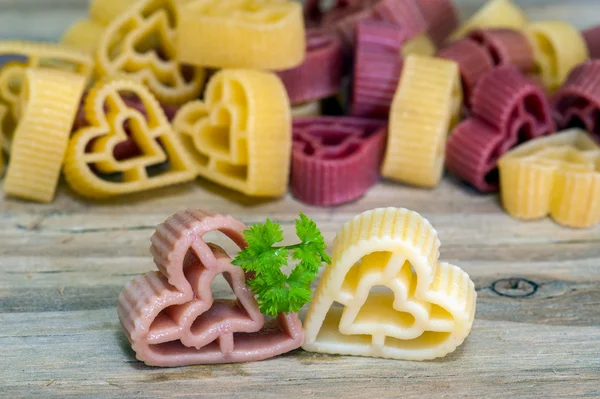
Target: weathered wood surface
[(536, 334)]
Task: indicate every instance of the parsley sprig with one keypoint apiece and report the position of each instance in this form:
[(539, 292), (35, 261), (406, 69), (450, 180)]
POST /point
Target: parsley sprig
[(276, 292)]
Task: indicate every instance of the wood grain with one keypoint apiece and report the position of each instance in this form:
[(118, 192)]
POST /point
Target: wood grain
[(536, 334)]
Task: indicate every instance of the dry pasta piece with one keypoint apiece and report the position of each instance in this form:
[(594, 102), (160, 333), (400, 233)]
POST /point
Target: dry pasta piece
[(506, 47), (557, 48), (420, 45), (106, 11), (472, 153), (494, 14), (577, 102), (320, 75), (31, 54), (308, 109), (429, 311), (425, 108), (592, 41), (513, 104), (507, 109), (262, 34), (49, 102), (140, 45), (474, 62), (172, 317), (441, 18), (132, 102), (91, 166), (241, 134), (557, 175), (344, 17), (377, 68), (84, 34), (335, 159)]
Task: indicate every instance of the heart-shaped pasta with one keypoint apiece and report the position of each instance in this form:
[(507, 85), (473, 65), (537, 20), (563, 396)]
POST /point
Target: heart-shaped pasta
[(171, 317), (558, 175), (429, 311), (335, 160), (240, 135), (140, 43), (31, 55), (261, 34), (92, 166), (557, 48)]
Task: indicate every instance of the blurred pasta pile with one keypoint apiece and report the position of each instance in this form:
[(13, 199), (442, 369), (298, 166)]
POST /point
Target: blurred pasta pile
[(264, 95)]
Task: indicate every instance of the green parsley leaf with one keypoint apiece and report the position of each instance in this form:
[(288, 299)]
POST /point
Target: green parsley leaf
[(275, 292)]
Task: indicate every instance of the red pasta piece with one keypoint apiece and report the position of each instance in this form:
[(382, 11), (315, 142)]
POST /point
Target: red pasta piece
[(472, 152), (335, 160), (377, 68), (171, 317), (343, 20), (577, 102), (508, 109), (592, 39), (320, 75), (441, 19), (506, 47), (513, 104), (473, 61), (345, 15), (404, 13)]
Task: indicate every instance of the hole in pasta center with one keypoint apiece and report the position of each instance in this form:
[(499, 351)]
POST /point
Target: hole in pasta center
[(378, 309), (127, 148)]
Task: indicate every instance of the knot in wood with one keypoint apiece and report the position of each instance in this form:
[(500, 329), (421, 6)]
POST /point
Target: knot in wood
[(514, 287)]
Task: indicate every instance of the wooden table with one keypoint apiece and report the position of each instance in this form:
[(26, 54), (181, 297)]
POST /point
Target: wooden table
[(536, 333)]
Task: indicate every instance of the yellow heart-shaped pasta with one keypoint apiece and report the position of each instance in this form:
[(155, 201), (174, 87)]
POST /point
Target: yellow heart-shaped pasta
[(12, 75), (241, 134), (261, 34), (159, 159), (558, 175), (86, 33), (558, 47), (427, 310), (140, 43)]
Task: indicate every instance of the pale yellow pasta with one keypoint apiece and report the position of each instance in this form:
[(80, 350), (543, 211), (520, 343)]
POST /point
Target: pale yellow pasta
[(105, 11), (425, 108), (557, 48), (429, 311), (308, 109), (420, 45), (558, 175), (48, 55), (262, 34), (50, 100), (140, 45), (84, 34), (494, 14), (93, 146), (241, 134)]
